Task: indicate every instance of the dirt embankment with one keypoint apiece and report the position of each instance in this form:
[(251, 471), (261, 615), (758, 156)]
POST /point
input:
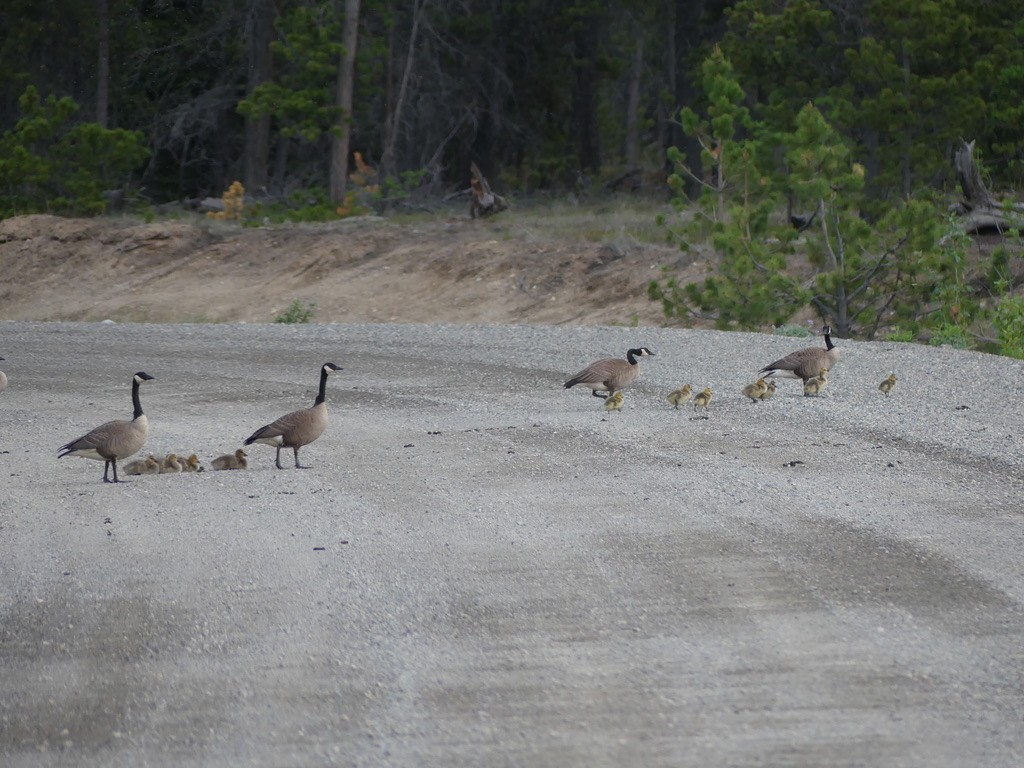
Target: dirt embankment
[(372, 270)]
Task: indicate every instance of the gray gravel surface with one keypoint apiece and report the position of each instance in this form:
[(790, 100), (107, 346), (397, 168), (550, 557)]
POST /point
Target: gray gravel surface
[(484, 569)]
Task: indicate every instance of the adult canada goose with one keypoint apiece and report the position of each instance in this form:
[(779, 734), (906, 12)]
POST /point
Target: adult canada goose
[(805, 363), (146, 466), (679, 396), (769, 392), (192, 464), (115, 439), (234, 460), (298, 428), (702, 399), (888, 383), (814, 385), (614, 403), (756, 390), (170, 464), (610, 375), (3, 380)]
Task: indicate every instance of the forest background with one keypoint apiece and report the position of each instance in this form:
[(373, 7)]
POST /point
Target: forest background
[(844, 114)]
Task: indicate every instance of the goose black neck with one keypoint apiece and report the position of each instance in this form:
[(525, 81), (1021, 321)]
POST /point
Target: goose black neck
[(322, 394), (135, 399), (828, 341), (631, 356)]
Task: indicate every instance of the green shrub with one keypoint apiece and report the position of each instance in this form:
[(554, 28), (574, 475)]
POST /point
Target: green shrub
[(796, 331), (900, 334), (1009, 325), (297, 313)]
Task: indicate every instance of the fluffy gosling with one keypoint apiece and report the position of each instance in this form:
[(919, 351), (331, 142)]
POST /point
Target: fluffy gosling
[(192, 464), (231, 461), (170, 464), (769, 391), (814, 385), (887, 384), (702, 399), (146, 466), (756, 390), (614, 403), (679, 396)]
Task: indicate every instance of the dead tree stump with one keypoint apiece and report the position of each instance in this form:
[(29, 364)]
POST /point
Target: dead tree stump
[(980, 212), (484, 202)]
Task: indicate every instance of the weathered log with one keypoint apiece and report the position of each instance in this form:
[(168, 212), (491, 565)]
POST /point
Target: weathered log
[(978, 209), (484, 202)]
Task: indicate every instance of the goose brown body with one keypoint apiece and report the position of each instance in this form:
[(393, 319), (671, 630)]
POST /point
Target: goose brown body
[(298, 428), (115, 439), (805, 363), (611, 374)]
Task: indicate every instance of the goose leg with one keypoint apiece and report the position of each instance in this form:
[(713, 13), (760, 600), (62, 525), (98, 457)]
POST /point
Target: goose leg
[(278, 459), (594, 392), (106, 469), (297, 465)]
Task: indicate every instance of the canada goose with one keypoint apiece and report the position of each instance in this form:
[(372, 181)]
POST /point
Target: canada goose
[(614, 403), (3, 380), (298, 428), (756, 390), (814, 385), (192, 464), (679, 396), (115, 439), (888, 383), (805, 363), (770, 391), (611, 374), (231, 461), (170, 464), (702, 399), (146, 466)]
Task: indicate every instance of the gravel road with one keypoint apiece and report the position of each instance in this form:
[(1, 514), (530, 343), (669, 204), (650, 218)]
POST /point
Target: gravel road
[(484, 569)]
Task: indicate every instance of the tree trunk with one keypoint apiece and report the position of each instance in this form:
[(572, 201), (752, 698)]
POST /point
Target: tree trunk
[(633, 106), (388, 165), (584, 99), (103, 63), (979, 210), (346, 86), (262, 14)]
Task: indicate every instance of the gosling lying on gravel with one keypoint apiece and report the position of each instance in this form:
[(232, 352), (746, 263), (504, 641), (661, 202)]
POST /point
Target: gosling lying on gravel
[(231, 461), (146, 466), (170, 464)]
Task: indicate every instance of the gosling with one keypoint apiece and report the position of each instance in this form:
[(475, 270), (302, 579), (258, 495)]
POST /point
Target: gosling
[(702, 399), (814, 385), (887, 384), (146, 466), (614, 402), (231, 461), (756, 390), (192, 464), (769, 391), (170, 464), (679, 396)]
